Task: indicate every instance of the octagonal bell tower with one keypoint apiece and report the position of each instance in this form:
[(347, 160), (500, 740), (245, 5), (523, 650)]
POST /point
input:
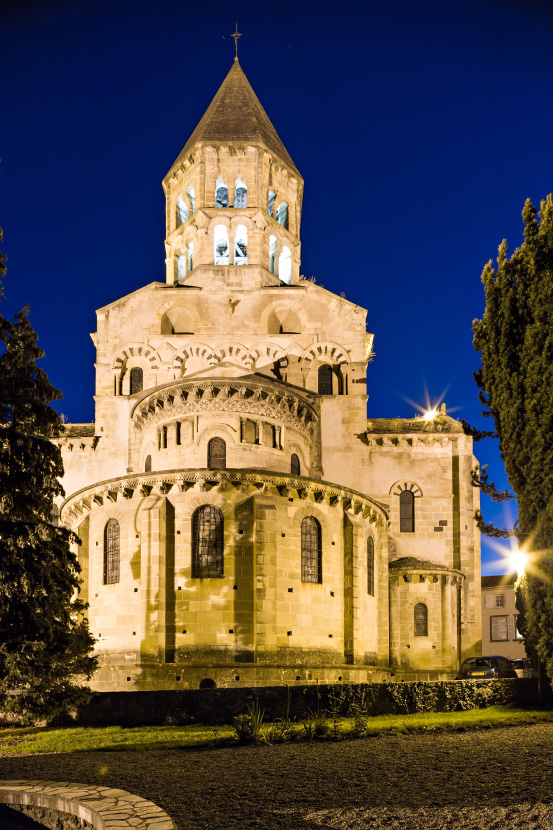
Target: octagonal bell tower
[(233, 198)]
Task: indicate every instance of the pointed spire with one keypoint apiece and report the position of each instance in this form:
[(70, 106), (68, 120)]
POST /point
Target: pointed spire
[(236, 115)]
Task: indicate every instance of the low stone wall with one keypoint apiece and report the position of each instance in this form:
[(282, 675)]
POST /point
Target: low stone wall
[(66, 806), (220, 706)]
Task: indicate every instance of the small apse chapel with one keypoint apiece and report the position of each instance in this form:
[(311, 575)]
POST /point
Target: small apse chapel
[(242, 522)]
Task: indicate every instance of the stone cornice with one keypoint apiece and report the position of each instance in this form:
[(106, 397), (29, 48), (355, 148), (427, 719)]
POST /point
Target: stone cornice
[(429, 570), (246, 481), (248, 397)]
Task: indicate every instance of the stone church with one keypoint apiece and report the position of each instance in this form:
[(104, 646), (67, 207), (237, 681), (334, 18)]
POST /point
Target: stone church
[(242, 522)]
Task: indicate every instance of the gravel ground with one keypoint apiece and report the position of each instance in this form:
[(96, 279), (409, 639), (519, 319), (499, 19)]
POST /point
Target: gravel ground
[(493, 779)]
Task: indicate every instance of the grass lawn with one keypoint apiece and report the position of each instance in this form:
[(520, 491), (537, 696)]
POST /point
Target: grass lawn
[(32, 741)]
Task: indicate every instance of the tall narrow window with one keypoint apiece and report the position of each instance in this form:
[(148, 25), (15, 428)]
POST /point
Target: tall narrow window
[(207, 542), (311, 550), (220, 244), (111, 552), (178, 433), (216, 454), (148, 464), (240, 194), (221, 194), (285, 266), (182, 211), (421, 620), (273, 254), (370, 566), (190, 255), (325, 379), (191, 193), (137, 380), (181, 267), (294, 465), (241, 245), (271, 202), (282, 214), (406, 511)]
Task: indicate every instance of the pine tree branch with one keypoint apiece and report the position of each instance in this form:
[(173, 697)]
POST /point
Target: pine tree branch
[(477, 434), (489, 529), (479, 476)]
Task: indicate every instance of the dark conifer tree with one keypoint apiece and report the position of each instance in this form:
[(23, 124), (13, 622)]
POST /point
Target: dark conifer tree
[(45, 643), (515, 339)]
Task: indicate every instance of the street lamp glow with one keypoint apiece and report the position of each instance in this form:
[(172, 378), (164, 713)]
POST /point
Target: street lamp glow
[(518, 561), (430, 414)]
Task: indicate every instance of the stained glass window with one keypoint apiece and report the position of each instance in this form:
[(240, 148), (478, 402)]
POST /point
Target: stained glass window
[(406, 511), (311, 550), (111, 552), (216, 454), (421, 620), (370, 566), (207, 542), (137, 380), (325, 379)]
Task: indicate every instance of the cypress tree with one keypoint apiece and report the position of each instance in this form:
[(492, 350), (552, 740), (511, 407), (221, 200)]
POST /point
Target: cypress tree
[(515, 340), (45, 643)]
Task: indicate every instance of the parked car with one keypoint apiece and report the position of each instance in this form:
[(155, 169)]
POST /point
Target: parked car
[(486, 668), (523, 668)]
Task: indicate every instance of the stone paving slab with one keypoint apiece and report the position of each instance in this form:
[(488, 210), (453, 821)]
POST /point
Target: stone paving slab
[(103, 807)]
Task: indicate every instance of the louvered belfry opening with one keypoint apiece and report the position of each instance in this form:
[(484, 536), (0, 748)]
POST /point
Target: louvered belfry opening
[(216, 454), (421, 620), (111, 552), (406, 512), (325, 379), (311, 550), (207, 542)]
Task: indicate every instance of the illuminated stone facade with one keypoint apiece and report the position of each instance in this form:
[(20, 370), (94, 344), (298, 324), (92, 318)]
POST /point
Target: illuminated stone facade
[(239, 517)]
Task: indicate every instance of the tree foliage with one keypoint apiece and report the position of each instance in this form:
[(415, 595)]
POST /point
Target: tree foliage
[(515, 339), (45, 643)]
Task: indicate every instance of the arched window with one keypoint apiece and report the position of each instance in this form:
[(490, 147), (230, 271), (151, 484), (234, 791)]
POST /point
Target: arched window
[(190, 255), (282, 214), (148, 464), (285, 266), (240, 194), (406, 511), (181, 267), (221, 194), (294, 465), (325, 379), (370, 566), (111, 552), (216, 454), (207, 542), (191, 193), (182, 211), (311, 550), (220, 244), (273, 244), (421, 620), (241, 245), (271, 202), (137, 380)]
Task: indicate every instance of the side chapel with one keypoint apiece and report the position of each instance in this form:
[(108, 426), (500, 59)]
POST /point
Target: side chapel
[(242, 522)]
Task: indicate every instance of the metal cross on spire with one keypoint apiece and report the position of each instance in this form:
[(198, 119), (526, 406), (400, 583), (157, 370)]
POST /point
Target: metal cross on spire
[(236, 35)]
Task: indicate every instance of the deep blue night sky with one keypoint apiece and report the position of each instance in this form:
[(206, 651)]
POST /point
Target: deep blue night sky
[(419, 128)]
